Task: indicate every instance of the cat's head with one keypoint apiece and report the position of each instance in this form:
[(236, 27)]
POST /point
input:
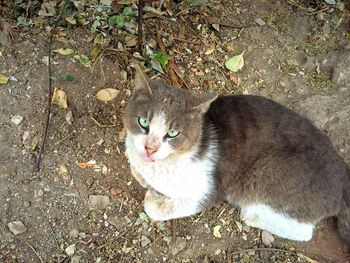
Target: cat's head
[(163, 121)]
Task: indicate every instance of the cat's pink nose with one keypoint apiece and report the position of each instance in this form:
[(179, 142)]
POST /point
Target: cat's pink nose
[(150, 150)]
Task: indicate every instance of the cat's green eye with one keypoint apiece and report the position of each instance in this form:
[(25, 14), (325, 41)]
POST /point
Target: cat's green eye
[(172, 133), (143, 123)]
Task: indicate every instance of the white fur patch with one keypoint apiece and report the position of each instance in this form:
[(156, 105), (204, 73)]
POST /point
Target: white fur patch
[(181, 177), (264, 217)]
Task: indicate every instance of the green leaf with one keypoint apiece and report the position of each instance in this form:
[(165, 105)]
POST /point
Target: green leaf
[(64, 51), (143, 216), (128, 11), (159, 61), (161, 227), (235, 63), (55, 77), (69, 78), (22, 21), (84, 60), (118, 20)]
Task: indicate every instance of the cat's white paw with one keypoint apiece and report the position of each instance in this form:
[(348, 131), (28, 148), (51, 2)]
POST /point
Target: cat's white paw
[(157, 206)]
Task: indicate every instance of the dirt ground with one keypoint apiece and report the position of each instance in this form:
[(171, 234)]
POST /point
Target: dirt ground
[(73, 210)]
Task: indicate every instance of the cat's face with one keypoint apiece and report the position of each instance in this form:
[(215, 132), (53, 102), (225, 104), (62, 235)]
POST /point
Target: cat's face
[(163, 121)]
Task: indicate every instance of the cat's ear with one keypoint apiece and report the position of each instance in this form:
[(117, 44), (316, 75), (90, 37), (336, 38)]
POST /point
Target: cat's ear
[(141, 80), (203, 101)]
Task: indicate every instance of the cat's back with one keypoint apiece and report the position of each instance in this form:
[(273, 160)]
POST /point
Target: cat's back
[(246, 119)]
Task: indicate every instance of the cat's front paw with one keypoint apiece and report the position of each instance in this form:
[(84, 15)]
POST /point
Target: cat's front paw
[(157, 206)]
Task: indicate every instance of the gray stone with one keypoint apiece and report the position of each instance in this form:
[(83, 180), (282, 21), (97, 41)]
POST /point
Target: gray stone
[(178, 245), (98, 202), (74, 233), (326, 29), (267, 238), (260, 22), (320, 16), (17, 227), (167, 240), (145, 241), (75, 259), (17, 119), (70, 250)]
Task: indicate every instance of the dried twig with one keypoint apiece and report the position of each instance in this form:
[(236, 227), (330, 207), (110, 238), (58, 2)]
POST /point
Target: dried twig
[(171, 71), (103, 125), (48, 107), (173, 229), (275, 250), (141, 4), (179, 76), (187, 41), (32, 248)]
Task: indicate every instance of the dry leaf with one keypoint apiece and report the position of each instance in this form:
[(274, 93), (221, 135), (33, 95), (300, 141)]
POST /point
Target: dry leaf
[(64, 51), (235, 63), (95, 52), (3, 79), (216, 231), (234, 77), (211, 49), (59, 98), (87, 165), (130, 41), (71, 20), (116, 191), (107, 94), (62, 170)]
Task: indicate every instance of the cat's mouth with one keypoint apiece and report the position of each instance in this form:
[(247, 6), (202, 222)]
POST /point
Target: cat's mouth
[(147, 158)]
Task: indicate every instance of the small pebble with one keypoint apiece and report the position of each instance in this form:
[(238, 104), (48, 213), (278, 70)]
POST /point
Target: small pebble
[(178, 245), (75, 259), (74, 233), (70, 250), (260, 22), (98, 202), (17, 119), (267, 238), (145, 241), (17, 227)]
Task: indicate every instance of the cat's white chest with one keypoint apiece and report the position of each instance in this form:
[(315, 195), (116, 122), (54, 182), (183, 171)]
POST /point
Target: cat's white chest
[(182, 177)]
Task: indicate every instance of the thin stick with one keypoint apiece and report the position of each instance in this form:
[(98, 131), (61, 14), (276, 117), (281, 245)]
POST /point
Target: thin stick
[(179, 76), (186, 41), (275, 250), (141, 4), (172, 75), (32, 248), (48, 107), (173, 228), (103, 125)]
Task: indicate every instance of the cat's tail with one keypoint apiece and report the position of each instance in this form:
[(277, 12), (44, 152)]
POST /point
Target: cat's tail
[(343, 218)]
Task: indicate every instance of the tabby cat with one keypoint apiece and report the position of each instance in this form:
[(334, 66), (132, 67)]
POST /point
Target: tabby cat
[(190, 150)]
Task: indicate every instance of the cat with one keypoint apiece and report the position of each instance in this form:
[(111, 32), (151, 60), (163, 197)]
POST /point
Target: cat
[(190, 150)]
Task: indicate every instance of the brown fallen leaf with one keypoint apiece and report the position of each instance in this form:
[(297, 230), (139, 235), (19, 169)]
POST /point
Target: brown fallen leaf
[(59, 97), (107, 94), (116, 191), (87, 165)]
